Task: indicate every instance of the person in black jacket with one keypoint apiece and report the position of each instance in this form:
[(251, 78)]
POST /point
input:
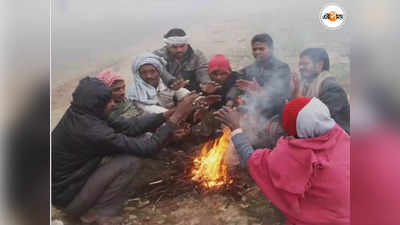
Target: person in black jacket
[(317, 81), (267, 80), (83, 184), (223, 81)]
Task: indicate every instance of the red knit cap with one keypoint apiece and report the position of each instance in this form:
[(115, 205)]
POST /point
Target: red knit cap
[(290, 112), (219, 61)]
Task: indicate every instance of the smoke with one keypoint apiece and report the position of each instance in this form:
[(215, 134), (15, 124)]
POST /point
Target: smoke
[(231, 157), (261, 121), (254, 122)]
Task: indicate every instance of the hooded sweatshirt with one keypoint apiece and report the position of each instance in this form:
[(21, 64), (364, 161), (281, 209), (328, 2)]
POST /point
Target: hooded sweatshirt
[(83, 137), (307, 178)]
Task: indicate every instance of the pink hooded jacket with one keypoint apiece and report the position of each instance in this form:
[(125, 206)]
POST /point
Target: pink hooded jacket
[(308, 179)]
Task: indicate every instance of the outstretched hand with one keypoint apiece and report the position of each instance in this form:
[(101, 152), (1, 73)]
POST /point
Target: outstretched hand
[(206, 101), (229, 117), (184, 108), (230, 103), (295, 85), (210, 87), (249, 86), (177, 84)]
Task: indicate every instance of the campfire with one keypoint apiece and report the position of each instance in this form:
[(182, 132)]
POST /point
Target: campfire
[(210, 168)]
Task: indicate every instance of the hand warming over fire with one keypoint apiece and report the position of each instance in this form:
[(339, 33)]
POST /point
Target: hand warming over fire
[(295, 85), (249, 86), (210, 87), (230, 103), (169, 113), (184, 108), (228, 116), (179, 84), (206, 101)]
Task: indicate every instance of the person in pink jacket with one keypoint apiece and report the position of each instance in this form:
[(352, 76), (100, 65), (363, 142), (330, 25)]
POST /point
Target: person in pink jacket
[(307, 174)]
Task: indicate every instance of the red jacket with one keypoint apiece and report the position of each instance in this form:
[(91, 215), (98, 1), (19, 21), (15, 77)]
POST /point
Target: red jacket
[(307, 179)]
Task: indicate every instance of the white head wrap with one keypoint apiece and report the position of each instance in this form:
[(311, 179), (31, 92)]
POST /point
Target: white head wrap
[(176, 40), (141, 91)]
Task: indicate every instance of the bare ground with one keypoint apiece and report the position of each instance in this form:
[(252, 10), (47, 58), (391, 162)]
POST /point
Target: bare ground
[(178, 200)]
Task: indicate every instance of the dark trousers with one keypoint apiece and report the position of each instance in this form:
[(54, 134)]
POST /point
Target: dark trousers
[(107, 188)]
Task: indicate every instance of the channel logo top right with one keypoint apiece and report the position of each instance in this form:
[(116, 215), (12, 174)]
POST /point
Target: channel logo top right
[(332, 16)]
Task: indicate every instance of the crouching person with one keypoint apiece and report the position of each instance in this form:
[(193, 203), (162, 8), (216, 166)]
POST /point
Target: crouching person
[(307, 174), (85, 186)]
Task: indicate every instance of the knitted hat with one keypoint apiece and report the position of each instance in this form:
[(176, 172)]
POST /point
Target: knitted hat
[(219, 62), (306, 118)]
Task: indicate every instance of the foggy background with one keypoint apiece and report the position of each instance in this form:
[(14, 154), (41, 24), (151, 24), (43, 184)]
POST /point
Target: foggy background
[(88, 35)]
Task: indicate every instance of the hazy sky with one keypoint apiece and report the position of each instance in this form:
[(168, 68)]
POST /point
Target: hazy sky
[(82, 30)]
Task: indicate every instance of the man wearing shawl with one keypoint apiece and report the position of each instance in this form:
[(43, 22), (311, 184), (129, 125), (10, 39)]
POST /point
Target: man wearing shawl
[(307, 175), (317, 81), (183, 62), (148, 89), (123, 106)]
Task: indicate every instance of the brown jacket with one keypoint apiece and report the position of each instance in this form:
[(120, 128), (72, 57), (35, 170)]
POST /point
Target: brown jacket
[(192, 67)]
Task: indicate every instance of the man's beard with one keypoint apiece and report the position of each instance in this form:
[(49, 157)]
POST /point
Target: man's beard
[(153, 83), (179, 56), (309, 76)]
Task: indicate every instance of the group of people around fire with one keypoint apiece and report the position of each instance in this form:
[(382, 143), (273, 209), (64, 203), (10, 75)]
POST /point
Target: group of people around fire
[(176, 95)]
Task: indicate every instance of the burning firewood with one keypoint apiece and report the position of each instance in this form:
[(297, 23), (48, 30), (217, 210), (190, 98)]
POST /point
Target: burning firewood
[(210, 168), (178, 178)]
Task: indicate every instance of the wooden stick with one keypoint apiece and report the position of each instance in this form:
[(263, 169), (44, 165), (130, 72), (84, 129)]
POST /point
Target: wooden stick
[(156, 182)]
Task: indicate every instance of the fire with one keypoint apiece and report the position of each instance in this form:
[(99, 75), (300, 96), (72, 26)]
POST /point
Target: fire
[(209, 167)]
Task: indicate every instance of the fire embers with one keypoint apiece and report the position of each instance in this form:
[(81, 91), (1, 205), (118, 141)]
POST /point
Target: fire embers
[(210, 168)]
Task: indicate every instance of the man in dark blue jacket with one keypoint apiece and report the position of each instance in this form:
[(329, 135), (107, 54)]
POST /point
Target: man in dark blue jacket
[(267, 80)]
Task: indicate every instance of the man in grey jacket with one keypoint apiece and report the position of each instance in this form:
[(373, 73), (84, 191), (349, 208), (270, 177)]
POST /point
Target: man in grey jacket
[(184, 64)]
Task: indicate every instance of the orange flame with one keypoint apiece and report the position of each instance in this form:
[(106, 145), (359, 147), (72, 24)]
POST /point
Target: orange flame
[(209, 167)]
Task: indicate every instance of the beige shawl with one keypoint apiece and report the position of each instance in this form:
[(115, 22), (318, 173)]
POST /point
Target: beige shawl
[(312, 89)]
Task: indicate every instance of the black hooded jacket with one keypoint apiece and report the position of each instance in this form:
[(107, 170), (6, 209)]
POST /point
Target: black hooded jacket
[(83, 137)]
